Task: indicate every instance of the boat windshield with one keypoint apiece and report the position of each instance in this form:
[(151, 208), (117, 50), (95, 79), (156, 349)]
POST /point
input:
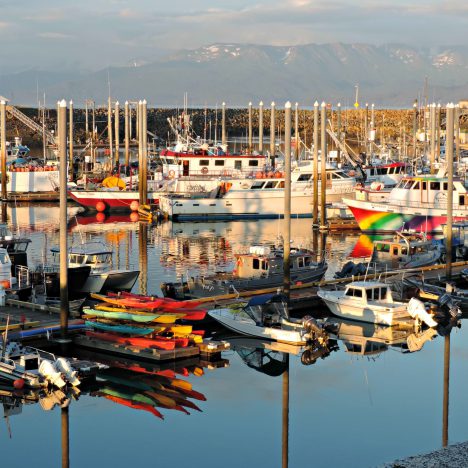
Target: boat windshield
[(98, 259)]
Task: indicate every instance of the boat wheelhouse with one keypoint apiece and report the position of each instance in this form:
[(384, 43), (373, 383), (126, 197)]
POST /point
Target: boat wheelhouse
[(388, 174), (416, 203)]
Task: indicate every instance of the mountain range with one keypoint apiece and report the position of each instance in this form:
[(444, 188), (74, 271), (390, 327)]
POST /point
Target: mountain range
[(390, 75)]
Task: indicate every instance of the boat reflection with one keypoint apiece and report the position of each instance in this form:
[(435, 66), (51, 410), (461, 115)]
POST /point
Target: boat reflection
[(367, 339)]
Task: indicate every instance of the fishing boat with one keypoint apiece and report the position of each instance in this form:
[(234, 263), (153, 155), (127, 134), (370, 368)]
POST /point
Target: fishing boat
[(266, 316), (372, 302), (259, 197), (102, 277), (261, 267), (416, 203)]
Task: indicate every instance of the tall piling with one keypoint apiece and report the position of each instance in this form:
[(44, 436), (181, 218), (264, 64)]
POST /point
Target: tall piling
[(438, 122), (457, 133), (127, 135), (3, 149), (86, 120), (449, 160), (366, 129), (323, 157), (315, 165), (109, 129), (432, 118), (260, 127), (223, 124), (62, 150), (140, 152), (145, 151), (287, 200), (415, 129), (250, 127), (338, 133), (296, 130), (272, 135), (117, 132), (285, 417), (70, 143)]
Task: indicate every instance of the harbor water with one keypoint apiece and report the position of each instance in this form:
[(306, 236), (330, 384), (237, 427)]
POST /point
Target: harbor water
[(365, 402)]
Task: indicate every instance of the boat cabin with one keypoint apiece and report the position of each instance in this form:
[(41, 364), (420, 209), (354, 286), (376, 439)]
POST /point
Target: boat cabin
[(208, 162), (264, 260), (388, 174), (94, 254), (428, 190), (368, 292)]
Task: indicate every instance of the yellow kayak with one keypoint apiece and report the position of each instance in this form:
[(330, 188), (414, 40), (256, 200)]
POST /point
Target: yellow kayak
[(178, 330)]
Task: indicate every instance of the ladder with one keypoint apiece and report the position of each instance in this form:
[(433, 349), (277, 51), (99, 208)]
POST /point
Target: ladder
[(15, 112)]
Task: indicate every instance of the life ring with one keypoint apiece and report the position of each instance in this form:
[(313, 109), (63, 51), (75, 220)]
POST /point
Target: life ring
[(204, 170), (171, 174)]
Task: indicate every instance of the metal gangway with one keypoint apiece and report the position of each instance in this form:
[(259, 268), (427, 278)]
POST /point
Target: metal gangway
[(23, 118), (355, 159)]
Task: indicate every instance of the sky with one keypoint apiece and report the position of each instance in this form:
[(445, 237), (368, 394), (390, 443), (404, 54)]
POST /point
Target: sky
[(94, 34)]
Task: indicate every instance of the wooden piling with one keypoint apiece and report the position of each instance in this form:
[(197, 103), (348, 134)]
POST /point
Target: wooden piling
[(145, 151), (260, 127), (250, 127), (117, 132), (62, 149), (296, 130), (70, 143), (438, 122), (315, 164), (3, 167), (415, 128), (223, 124), (65, 433), (86, 120), (272, 135), (287, 200), (338, 133), (323, 187), (109, 129), (457, 133), (449, 160), (140, 152), (445, 408), (285, 417), (127, 135), (432, 118)]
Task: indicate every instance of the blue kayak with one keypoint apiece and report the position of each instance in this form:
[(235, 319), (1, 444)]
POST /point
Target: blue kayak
[(125, 329)]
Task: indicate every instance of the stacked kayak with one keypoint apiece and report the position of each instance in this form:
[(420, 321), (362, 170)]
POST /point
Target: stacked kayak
[(143, 321)]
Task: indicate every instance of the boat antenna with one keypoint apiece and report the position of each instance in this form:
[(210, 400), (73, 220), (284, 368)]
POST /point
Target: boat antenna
[(5, 336)]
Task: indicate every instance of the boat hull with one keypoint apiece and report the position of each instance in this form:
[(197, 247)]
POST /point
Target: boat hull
[(377, 217), (114, 280), (248, 327), (113, 200)]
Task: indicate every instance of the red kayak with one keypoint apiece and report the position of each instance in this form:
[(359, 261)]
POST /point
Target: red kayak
[(159, 343), (168, 303)]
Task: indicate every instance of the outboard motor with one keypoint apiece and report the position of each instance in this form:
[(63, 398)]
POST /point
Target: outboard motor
[(50, 373), (450, 305), (63, 366), (418, 311), (314, 329)]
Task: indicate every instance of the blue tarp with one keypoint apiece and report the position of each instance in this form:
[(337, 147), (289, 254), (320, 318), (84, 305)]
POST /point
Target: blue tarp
[(260, 300)]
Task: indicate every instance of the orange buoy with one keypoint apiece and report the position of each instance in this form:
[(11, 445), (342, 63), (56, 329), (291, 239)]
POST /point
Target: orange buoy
[(100, 217), (18, 384), (134, 217), (134, 205), (100, 206)]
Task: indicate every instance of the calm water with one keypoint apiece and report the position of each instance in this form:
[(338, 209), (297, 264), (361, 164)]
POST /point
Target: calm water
[(348, 409)]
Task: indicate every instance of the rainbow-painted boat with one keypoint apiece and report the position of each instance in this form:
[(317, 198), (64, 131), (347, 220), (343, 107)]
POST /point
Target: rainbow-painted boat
[(417, 203)]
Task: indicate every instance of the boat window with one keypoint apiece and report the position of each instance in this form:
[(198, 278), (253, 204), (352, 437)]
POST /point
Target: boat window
[(343, 175), (253, 162), (256, 264), (307, 261), (204, 162), (358, 293), (335, 175), (238, 164), (408, 184), (462, 200), (434, 185), (370, 294), (383, 293), (350, 292), (270, 184), (416, 186), (264, 265), (300, 262), (304, 177), (395, 250), (281, 184), (424, 185), (77, 258), (257, 185), (219, 162), (404, 251), (169, 161), (100, 258), (31, 363), (372, 172)]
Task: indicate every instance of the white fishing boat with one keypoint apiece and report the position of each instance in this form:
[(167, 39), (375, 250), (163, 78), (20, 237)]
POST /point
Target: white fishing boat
[(372, 302), (103, 277), (416, 203), (265, 317), (259, 197)]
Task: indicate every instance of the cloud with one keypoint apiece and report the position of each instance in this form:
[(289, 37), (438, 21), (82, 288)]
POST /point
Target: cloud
[(54, 35)]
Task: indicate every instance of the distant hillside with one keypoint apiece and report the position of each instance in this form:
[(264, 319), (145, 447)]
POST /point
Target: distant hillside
[(389, 75)]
